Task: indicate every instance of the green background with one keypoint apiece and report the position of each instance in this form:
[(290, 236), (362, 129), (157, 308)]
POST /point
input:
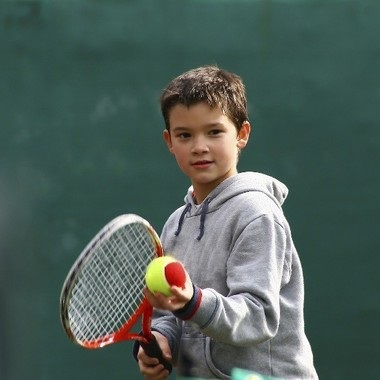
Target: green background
[(80, 142)]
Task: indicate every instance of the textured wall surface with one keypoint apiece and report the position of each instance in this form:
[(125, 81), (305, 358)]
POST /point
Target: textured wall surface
[(80, 142)]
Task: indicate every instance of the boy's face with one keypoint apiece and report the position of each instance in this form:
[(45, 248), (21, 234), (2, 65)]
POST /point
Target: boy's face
[(205, 143)]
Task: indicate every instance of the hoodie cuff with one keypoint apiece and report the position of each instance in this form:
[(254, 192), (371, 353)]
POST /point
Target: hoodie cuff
[(191, 307)]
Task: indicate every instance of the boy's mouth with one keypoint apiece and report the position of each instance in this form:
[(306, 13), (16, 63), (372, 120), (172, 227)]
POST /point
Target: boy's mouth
[(202, 163)]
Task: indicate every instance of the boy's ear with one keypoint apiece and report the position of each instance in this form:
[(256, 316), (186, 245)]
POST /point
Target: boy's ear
[(243, 135), (168, 140)]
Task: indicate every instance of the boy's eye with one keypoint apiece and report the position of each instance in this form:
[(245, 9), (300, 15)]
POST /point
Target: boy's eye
[(215, 132), (183, 135)]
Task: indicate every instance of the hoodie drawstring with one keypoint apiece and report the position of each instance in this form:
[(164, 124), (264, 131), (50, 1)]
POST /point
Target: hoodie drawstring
[(204, 212), (203, 218), (182, 217)]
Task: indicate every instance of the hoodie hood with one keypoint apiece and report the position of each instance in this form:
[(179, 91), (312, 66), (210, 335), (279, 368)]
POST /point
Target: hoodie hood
[(231, 187)]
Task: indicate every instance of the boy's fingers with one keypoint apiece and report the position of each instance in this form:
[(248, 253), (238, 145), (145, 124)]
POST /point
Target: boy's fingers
[(144, 358)]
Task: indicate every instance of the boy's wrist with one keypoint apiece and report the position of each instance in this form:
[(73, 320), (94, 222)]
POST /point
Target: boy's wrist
[(192, 306)]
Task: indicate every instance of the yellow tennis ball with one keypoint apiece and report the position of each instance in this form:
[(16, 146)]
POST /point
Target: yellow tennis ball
[(163, 272)]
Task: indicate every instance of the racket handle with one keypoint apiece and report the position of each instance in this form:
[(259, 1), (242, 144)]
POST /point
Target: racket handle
[(153, 350)]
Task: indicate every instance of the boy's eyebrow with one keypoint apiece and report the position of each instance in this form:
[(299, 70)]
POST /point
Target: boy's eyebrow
[(176, 129), (209, 125)]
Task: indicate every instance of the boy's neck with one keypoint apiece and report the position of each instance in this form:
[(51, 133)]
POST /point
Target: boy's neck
[(199, 197), (200, 193), (202, 190)]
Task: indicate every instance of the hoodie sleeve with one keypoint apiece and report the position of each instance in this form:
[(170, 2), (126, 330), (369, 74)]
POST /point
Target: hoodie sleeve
[(166, 324), (256, 270)]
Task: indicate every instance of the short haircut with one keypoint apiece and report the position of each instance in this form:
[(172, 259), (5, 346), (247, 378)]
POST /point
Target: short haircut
[(210, 85)]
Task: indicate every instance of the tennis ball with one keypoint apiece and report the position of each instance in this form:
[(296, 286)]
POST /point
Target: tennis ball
[(164, 272)]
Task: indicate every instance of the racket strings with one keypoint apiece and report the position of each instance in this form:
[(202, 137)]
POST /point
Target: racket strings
[(109, 288)]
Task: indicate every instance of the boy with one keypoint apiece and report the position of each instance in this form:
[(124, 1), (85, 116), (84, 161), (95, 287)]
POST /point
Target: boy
[(242, 305)]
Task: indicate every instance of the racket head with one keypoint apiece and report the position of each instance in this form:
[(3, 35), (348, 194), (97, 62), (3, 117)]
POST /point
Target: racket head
[(102, 296)]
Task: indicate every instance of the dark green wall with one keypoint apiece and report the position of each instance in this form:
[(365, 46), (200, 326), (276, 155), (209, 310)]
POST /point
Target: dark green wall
[(80, 142)]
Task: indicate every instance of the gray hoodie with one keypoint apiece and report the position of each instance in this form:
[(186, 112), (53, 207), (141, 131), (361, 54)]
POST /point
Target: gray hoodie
[(238, 249)]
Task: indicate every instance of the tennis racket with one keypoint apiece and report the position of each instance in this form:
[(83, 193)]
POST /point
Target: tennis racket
[(102, 297)]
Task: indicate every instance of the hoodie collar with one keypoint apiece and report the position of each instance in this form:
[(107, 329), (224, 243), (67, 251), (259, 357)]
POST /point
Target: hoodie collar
[(235, 185)]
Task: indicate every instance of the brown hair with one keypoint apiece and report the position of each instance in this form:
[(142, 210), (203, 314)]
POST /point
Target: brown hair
[(211, 85)]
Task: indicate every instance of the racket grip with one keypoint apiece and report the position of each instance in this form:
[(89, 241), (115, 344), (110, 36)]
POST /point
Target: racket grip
[(153, 350)]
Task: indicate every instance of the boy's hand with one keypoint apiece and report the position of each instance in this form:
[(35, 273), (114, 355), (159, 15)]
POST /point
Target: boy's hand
[(150, 367), (179, 298)]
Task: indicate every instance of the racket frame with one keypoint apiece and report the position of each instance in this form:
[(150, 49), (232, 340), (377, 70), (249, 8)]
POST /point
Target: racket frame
[(144, 310)]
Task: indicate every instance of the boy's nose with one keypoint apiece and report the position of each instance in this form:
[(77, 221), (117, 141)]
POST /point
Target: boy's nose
[(199, 145)]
